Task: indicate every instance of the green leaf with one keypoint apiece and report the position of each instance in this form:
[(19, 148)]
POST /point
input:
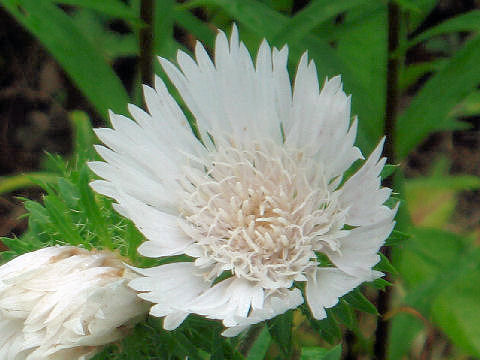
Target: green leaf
[(421, 11), (318, 353), (84, 137), (113, 8), (469, 107), (410, 74), (344, 314), (385, 265), (195, 26), (440, 271), (469, 21), (396, 237), (328, 327), (260, 346), (281, 331), (455, 310), (62, 220), (109, 44), (388, 170), (73, 51), (360, 302), (380, 284), (163, 29), (363, 51), (92, 211), (404, 329), (429, 110), (16, 182), (312, 15), (408, 5)]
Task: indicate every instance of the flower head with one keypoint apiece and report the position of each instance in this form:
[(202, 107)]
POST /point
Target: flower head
[(64, 303), (258, 200)]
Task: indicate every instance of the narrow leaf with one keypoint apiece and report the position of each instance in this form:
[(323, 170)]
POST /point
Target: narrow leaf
[(73, 51), (260, 346), (113, 8), (315, 13), (429, 110), (15, 182), (360, 302), (469, 21)]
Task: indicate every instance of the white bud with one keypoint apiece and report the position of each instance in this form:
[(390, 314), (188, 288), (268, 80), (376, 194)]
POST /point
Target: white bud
[(64, 303)]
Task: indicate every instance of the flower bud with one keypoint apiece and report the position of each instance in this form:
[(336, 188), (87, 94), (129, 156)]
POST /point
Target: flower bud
[(64, 302)]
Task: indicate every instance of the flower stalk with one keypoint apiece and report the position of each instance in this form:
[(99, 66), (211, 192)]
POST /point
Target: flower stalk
[(383, 303), (146, 42)]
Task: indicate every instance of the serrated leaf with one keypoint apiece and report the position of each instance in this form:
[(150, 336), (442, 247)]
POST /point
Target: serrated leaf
[(68, 192), (92, 211), (385, 265), (84, 137), (62, 220), (360, 302), (396, 237), (344, 314), (380, 284)]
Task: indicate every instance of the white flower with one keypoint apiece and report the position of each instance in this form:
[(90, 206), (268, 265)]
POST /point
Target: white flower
[(259, 198), (64, 303)]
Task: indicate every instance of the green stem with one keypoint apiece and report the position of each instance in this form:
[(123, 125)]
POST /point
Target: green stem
[(146, 42), (383, 303)]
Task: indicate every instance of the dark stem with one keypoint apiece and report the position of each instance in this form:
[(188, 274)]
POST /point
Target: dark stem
[(349, 344), (146, 42), (383, 302)]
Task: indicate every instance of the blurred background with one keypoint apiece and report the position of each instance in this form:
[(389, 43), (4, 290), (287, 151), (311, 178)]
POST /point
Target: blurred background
[(421, 68)]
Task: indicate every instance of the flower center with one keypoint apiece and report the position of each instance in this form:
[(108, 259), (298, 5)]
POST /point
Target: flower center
[(259, 211)]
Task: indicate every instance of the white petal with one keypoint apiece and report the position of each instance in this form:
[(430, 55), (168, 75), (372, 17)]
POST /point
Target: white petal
[(230, 99), (171, 287), (320, 121), (363, 194), (228, 300), (161, 229), (275, 304), (281, 81), (172, 321), (358, 250), (325, 286)]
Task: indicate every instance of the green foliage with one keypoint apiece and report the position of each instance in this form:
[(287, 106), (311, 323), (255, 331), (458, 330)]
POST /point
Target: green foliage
[(429, 110), (439, 269), (71, 212), (73, 51)]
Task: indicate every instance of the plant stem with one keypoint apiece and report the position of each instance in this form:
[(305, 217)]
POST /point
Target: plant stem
[(146, 42), (383, 303)]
